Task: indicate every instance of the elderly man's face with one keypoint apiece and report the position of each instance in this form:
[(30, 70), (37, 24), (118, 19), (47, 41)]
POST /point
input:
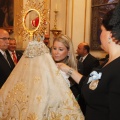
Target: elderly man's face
[(46, 41), (80, 49), (4, 40), (12, 45)]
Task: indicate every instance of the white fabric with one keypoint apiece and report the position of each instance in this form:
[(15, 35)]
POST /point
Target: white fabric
[(65, 76), (35, 90)]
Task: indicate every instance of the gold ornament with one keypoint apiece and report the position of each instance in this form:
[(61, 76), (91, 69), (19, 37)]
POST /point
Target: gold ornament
[(93, 85)]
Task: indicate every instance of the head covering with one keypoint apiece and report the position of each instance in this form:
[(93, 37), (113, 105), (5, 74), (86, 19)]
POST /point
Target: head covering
[(111, 22)]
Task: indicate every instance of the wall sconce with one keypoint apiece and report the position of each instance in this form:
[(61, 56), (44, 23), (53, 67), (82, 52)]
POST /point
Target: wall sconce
[(55, 31)]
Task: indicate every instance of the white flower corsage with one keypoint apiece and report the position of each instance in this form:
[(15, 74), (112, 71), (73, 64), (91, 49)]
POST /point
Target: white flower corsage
[(94, 80)]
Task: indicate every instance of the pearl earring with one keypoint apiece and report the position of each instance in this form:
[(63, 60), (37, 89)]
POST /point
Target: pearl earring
[(109, 40)]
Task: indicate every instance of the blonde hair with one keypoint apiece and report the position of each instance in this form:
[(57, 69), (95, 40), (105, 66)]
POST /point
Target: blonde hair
[(71, 60)]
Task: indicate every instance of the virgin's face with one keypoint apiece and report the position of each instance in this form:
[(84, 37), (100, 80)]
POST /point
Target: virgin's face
[(104, 36), (59, 51)]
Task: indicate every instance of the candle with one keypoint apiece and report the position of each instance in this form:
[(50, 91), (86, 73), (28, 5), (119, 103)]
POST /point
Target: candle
[(56, 7)]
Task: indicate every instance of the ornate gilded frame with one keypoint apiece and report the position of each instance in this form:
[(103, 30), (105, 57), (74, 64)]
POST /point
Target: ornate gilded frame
[(21, 8), (7, 15), (99, 8)]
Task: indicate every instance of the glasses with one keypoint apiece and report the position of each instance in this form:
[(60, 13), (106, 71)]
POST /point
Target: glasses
[(4, 38)]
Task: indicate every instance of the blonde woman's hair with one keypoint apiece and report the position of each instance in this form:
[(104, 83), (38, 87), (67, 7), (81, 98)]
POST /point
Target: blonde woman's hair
[(71, 60)]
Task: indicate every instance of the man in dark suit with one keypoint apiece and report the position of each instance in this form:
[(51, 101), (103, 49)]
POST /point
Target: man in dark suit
[(6, 63), (86, 63), (46, 40), (89, 62), (15, 55)]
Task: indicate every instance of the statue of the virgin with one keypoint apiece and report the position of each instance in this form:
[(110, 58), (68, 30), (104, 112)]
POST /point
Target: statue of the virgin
[(36, 90)]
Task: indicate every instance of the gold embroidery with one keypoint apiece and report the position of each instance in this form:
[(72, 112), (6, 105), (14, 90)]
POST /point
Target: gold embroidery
[(67, 117), (39, 98), (69, 108), (57, 72), (55, 116), (15, 102), (36, 79), (32, 116)]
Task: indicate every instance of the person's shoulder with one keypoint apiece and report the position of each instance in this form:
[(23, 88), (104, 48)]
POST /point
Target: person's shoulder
[(93, 57), (1, 55), (7, 52), (19, 52), (78, 57)]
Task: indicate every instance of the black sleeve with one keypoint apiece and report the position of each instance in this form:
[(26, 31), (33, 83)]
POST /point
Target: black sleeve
[(114, 98), (82, 81)]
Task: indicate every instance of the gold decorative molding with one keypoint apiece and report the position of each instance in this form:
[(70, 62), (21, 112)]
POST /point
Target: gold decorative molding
[(20, 9), (72, 18), (66, 16), (18, 5), (85, 20), (98, 8), (55, 31)]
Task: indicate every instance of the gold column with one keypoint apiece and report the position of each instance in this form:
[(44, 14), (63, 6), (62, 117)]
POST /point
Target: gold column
[(72, 18), (66, 16), (18, 5), (85, 19), (55, 31)]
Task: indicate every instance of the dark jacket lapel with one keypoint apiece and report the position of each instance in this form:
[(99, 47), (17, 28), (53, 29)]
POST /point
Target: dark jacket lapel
[(10, 59)]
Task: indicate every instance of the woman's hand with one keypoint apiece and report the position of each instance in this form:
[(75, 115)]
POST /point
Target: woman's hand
[(70, 71), (65, 68)]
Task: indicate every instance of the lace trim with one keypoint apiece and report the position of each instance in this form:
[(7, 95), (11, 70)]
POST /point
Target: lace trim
[(36, 48), (65, 76)]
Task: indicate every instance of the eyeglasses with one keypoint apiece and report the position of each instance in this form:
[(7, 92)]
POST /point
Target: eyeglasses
[(4, 38)]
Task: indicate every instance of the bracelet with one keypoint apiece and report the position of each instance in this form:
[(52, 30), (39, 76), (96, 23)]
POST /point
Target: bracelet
[(70, 71)]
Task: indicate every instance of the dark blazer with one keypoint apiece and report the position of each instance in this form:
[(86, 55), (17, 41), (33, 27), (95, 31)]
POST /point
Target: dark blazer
[(80, 67), (5, 68), (103, 103), (18, 54), (89, 63)]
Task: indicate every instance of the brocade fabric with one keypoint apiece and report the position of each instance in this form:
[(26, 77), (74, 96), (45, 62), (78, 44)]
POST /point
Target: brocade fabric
[(36, 90)]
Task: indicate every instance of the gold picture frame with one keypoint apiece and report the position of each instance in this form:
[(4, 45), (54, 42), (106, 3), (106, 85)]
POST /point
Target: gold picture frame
[(99, 8), (7, 15)]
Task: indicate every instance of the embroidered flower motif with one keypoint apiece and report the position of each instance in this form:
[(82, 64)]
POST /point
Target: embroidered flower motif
[(94, 80)]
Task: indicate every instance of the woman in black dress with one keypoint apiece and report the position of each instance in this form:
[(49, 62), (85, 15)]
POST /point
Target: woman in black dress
[(101, 89)]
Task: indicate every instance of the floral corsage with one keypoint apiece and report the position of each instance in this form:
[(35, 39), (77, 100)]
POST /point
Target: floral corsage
[(94, 79)]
